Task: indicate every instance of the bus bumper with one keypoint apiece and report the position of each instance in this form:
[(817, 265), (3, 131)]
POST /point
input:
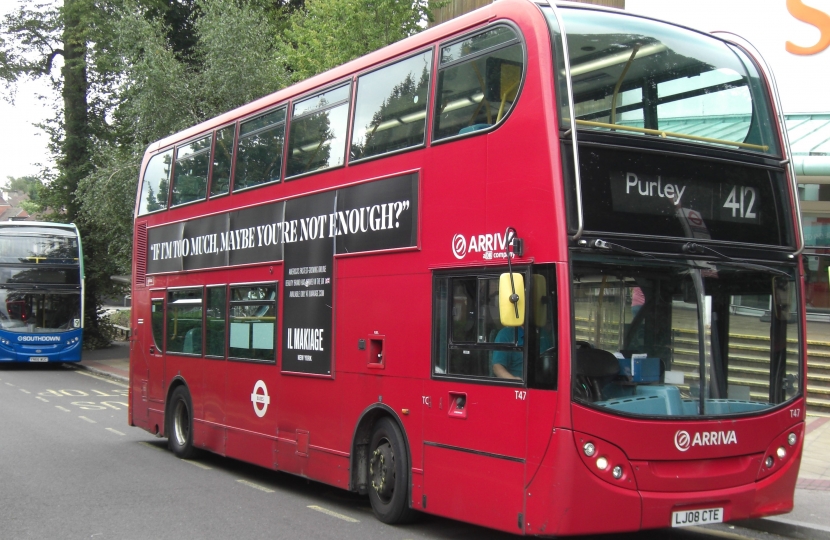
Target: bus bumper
[(565, 498), (67, 349)]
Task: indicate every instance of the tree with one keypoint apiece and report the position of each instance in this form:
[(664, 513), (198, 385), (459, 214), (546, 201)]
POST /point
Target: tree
[(136, 71), (328, 33)]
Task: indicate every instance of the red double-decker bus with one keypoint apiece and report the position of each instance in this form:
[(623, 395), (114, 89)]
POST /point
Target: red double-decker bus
[(531, 266)]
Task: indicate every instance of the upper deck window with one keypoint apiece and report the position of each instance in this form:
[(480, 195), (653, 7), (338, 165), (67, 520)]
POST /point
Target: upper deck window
[(191, 172), (636, 76), (35, 245), (478, 81), (156, 183), (259, 158), (391, 107), (317, 139), (220, 176)]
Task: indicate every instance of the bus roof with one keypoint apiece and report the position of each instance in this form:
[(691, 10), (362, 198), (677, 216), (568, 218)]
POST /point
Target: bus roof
[(38, 224)]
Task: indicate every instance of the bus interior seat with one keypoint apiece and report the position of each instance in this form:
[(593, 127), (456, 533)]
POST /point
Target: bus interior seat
[(474, 127), (192, 341), (592, 366)]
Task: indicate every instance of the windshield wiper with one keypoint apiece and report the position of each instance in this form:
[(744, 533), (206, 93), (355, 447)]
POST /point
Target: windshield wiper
[(616, 248), (610, 246), (697, 249)]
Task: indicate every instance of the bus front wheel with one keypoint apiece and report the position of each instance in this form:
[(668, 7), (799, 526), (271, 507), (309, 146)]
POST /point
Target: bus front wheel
[(388, 474), (180, 424)]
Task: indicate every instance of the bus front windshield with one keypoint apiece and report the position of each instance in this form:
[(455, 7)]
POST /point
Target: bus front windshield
[(660, 337), (39, 312), (638, 77)]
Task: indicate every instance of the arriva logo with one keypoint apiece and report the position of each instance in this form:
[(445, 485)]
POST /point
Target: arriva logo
[(39, 339), (813, 17), (491, 246), (459, 246), (683, 441)]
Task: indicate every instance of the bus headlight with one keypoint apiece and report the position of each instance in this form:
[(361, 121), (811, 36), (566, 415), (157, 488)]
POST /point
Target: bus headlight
[(781, 450), (589, 449), (605, 460)]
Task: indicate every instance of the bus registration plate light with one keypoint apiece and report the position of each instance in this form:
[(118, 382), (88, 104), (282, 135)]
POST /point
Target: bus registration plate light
[(686, 518)]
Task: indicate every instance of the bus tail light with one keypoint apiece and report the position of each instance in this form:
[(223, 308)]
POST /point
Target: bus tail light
[(781, 450), (605, 460)]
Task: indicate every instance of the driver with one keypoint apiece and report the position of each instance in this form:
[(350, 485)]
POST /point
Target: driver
[(509, 364)]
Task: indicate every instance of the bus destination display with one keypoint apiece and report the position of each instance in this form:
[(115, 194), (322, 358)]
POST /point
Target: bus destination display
[(633, 192), (642, 193)]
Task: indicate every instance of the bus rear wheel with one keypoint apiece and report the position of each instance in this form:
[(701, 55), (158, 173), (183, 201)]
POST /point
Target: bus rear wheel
[(180, 424), (388, 474)]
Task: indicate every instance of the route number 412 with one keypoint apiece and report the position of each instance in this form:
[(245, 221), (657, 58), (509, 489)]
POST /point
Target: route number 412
[(741, 201)]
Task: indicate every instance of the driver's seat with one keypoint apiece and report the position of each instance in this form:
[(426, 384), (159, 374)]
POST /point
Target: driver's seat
[(592, 365)]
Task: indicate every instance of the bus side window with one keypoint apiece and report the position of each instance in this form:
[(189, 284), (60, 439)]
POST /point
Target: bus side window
[(468, 337), (391, 107), (215, 321), (157, 321), (156, 183), (191, 172), (478, 82), (184, 321), (220, 175), (259, 155), (317, 136), (252, 325), (543, 348)]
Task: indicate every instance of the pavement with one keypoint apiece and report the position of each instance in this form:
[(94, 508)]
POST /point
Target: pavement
[(810, 519)]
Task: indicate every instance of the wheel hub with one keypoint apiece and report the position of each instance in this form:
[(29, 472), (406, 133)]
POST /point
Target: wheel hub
[(382, 470)]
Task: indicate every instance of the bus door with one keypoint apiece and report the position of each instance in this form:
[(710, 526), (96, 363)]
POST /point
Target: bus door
[(475, 419), (252, 373), (153, 341)]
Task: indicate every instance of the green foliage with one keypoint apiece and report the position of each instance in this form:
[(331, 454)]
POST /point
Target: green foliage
[(136, 71), (332, 32)]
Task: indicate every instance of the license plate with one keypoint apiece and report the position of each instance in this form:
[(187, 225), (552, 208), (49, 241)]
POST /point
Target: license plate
[(38, 359), (704, 516)]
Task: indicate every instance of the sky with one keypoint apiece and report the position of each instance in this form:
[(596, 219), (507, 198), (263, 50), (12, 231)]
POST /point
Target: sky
[(802, 80), (23, 146)]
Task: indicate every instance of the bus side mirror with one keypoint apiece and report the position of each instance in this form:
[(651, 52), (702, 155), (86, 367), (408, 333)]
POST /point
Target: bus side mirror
[(508, 302)]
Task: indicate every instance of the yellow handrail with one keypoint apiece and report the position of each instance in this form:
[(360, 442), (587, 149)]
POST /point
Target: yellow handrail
[(664, 134)]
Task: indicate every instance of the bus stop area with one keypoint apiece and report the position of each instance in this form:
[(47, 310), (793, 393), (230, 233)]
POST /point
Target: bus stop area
[(809, 519)]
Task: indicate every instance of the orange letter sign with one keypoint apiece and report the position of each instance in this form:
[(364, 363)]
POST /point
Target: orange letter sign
[(814, 17)]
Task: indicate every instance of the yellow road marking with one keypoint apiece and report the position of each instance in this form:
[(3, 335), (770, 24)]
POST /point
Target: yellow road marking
[(197, 464), (64, 409), (115, 431), (94, 376), (90, 420), (9, 384), (42, 399), (333, 514), (256, 486), (24, 391)]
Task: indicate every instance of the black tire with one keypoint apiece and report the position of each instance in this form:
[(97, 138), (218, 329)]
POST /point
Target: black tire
[(389, 474), (180, 424)]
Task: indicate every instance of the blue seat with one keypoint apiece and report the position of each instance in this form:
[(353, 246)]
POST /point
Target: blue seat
[(474, 127)]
